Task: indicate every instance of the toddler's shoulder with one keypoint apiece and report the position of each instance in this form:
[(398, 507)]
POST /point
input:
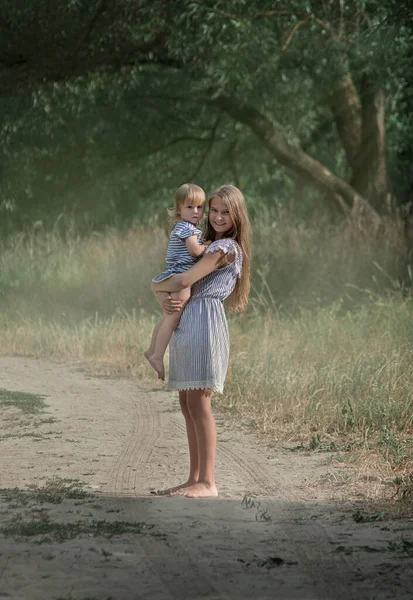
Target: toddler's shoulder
[(183, 230)]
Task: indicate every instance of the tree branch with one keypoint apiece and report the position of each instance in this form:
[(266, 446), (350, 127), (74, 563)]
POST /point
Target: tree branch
[(25, 72), (293, 32), (294, 158), (207, 150)]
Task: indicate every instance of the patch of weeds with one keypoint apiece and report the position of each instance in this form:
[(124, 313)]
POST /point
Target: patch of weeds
[(338, 478), (394, 447), (316, 443), (402, 548), (274, 561), (299, 448), (268, 563), (27, 403), (54, 492), (306, 519), (262, 513), (359, 517), (404, 487), (62, 532), (48, 421), (37, 436)]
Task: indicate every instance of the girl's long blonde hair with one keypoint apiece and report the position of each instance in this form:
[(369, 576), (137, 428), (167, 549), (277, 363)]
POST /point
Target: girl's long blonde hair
[(235, 202)]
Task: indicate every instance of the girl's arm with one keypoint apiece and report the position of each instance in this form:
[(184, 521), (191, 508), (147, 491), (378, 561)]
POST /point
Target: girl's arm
[(205, 266)]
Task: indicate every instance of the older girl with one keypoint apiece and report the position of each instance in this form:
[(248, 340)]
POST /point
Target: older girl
[(199, 347)]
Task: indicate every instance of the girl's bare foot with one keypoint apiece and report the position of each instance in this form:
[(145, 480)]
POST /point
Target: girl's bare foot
[(170, 491), (147, 354), (157, 364), (198, 490)]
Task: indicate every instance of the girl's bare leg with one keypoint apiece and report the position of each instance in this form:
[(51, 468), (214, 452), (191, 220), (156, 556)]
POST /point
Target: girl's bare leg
[(192, 445), (164, 333), (200, 410)]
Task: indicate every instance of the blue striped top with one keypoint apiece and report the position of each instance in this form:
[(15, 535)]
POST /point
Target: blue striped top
[(178, 255)]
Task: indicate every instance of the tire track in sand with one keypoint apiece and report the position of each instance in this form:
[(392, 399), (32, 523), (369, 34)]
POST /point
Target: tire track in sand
[(132, 460)]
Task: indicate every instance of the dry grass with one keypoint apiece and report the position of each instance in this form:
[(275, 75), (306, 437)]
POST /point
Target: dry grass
[(333, 372)]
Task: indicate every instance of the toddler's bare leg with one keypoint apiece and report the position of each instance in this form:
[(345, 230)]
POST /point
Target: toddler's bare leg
[(192, 445), (164, 333), (151, 348)]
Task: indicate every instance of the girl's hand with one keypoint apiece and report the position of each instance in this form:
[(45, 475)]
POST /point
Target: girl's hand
[(168, 305)]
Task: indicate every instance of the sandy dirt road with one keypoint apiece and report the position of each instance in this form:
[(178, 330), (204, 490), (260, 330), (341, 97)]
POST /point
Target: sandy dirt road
[(271, 534)]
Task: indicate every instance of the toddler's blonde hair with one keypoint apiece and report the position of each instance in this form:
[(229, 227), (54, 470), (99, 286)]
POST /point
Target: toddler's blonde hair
[(188, 193)]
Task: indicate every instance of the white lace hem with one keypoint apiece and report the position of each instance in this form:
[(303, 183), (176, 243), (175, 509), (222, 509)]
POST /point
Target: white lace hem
[(195, 385)]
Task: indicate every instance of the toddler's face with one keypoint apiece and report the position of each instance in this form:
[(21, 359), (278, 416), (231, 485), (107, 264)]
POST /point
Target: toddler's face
[(191, 213)]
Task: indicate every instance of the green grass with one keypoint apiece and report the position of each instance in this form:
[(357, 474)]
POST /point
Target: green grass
[(28, 403), (53, 492), (401, 548), (62, 532), (27, 434)]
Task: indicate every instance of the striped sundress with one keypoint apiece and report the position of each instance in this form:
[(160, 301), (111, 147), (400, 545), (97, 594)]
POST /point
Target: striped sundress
[(178, 257), (199, 348)]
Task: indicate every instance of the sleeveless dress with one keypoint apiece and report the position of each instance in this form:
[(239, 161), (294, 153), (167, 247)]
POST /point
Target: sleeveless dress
[(199, 347), (178, 258)]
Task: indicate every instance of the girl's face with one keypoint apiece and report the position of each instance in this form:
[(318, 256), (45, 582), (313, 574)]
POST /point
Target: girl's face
[(219, 217)]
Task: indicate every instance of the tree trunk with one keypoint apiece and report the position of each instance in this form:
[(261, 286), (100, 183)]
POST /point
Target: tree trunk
[(298, 161), (346, 109), (369, 172)]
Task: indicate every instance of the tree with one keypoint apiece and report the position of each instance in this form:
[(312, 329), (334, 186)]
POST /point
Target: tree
[(294, 74)]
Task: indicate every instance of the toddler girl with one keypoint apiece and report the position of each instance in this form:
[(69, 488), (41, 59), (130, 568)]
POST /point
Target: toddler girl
[(184, 249)]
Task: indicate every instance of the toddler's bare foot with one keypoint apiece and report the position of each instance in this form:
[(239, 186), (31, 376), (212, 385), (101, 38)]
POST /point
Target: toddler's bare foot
[(147, 354), (170, 491), (198, 490), (157, 364)]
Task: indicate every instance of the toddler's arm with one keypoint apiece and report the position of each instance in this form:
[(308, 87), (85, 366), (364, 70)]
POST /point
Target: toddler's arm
[(194, 248)]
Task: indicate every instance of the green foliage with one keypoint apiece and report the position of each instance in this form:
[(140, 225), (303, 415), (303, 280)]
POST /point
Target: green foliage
[(126, 111)]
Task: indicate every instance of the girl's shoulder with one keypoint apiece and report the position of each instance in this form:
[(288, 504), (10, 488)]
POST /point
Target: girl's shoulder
[(183, 229), (229, 246), (226, 245)]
